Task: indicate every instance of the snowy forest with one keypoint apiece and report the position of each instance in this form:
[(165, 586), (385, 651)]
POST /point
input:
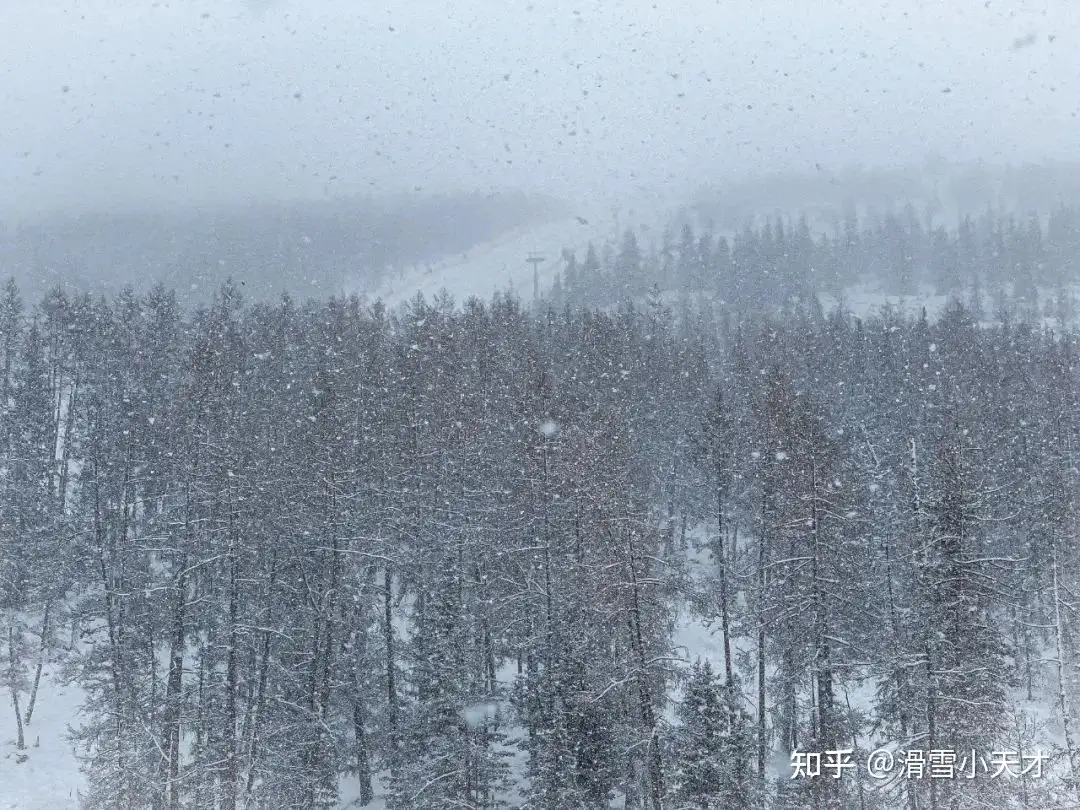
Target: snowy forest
[(999, 264), (436, 556)]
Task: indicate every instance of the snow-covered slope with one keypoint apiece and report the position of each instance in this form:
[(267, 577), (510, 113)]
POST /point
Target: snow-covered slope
[(46, 775), (495, 266), (501, 264)]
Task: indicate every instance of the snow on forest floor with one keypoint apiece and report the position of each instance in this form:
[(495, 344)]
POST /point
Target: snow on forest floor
[(49, 777), (349, 796), (1035, 722), (867, 300)]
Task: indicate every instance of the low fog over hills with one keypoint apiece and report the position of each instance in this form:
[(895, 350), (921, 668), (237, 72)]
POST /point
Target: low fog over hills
[(937, 189), (311, 248)]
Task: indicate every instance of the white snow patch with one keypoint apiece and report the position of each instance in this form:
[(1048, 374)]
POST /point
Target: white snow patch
[(868, 300), (497, 266), (502, 265), (480, 714), (49, 777)]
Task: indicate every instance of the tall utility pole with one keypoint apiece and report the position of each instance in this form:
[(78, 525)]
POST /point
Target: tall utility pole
[(534, 259)]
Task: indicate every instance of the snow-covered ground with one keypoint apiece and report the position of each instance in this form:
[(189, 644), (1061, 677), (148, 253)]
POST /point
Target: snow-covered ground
[(868, 300), (48, 778), (501, 264), (496, 266)]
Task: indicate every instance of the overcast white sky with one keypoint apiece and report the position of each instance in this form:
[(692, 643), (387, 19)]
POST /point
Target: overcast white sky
[(106, 100)]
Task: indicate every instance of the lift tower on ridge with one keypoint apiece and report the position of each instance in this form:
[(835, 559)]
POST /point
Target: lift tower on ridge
[(535, 259)]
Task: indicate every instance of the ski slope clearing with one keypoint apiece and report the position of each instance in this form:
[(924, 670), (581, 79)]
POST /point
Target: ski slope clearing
[(501, 265), (496, 266)]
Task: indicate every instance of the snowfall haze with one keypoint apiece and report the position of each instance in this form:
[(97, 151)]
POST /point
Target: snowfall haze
[(127, 101), (535, 405)]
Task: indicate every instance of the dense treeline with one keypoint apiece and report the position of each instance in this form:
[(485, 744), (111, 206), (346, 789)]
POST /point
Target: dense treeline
[(1001, 266), (444, 551)]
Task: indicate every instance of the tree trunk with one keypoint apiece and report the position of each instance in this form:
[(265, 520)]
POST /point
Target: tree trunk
[(230, 770), (721, 563), (363, 755), (43, 651), (391, 681), (761, 583), (15, 666), (1063, 699), (173, 687), (648, 718), (252, 732)]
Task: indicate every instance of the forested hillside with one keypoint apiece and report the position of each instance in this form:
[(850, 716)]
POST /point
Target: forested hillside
[(438, 555), (1004, 266)]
